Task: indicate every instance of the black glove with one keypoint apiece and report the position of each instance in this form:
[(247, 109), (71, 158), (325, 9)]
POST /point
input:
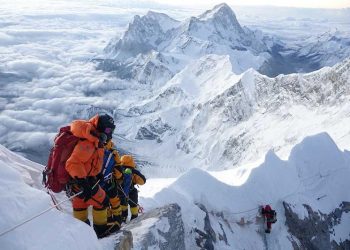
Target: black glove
[(102, 139), (100, 177), (135, 171), (105, 202), (84, 186)]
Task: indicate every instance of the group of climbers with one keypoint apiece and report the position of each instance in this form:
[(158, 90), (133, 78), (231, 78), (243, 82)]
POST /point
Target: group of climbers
[(99, 177)]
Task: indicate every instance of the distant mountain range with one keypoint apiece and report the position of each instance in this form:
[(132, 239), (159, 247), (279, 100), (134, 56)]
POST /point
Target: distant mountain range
[(199, 93), (157, 42)]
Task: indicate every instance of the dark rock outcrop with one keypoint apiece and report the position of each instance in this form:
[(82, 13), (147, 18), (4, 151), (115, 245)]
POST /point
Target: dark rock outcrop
[(161, 228), (314, 231)]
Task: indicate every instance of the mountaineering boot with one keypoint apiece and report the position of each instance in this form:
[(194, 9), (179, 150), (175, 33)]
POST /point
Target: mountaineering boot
[(101, 230), (99, 216), (134, 212), (124, 213), (267, 231), (113, 223), (114, 219)]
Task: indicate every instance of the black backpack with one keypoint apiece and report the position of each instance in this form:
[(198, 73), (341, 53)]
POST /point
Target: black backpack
[(273, 218)]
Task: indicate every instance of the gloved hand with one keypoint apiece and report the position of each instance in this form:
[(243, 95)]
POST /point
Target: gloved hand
[(102, 139), (105, 202), (138, 173), (84, 186), (100, 177)]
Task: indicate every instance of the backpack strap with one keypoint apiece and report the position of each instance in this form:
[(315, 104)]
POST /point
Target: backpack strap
[(107, 163)]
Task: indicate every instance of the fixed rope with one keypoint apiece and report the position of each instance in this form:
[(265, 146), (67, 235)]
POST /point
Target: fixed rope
[(54, 200), (43, 212), (135, 203), (36, 216), (295, 191)]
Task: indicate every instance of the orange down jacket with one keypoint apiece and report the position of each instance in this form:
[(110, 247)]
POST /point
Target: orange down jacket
[(86, 158)]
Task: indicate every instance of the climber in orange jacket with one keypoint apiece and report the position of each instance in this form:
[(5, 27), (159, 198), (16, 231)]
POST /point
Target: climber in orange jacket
[(85, 164), (129, 194)]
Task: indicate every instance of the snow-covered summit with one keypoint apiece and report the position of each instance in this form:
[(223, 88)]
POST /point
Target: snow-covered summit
[(216, 31), (220, 11), (144, 34), (223, 18)]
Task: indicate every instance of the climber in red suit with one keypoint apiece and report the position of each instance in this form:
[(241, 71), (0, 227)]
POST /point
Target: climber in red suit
[(270, 216)]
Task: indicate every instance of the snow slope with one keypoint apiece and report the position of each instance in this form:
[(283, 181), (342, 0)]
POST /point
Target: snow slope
[(52, 230), (209, 117), (221, 205), (315, 168)]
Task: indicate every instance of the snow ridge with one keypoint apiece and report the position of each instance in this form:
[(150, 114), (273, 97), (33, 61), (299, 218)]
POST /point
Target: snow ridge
[(316, 174)]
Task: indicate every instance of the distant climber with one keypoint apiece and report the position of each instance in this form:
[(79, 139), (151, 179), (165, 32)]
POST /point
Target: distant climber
[(131, 177), (84, 164), (270, 217)]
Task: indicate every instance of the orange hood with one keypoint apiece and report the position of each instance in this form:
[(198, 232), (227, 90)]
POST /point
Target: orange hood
[(83, 128)]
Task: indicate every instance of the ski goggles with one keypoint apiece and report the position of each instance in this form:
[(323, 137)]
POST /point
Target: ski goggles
[(108, 130)]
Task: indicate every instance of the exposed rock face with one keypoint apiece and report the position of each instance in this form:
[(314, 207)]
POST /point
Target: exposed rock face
[(153, 131), (161, 228), (124, 240), (314, 232), (206, 238)]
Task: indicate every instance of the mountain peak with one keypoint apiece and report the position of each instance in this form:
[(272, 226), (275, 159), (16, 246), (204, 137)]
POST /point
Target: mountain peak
[(153, 14), (219, 10), (222, 14)]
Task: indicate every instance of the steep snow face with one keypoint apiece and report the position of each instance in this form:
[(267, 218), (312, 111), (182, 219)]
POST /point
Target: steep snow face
[(324, 171), (256, 95), (52, 230), (143, 35), (220, 25), (315, 175), (218, 120)]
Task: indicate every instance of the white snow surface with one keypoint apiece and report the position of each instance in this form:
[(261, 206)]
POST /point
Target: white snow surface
[(315, 168), (52, 230)]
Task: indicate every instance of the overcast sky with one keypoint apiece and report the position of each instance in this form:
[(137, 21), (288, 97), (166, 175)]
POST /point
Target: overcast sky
[(291, 3)]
